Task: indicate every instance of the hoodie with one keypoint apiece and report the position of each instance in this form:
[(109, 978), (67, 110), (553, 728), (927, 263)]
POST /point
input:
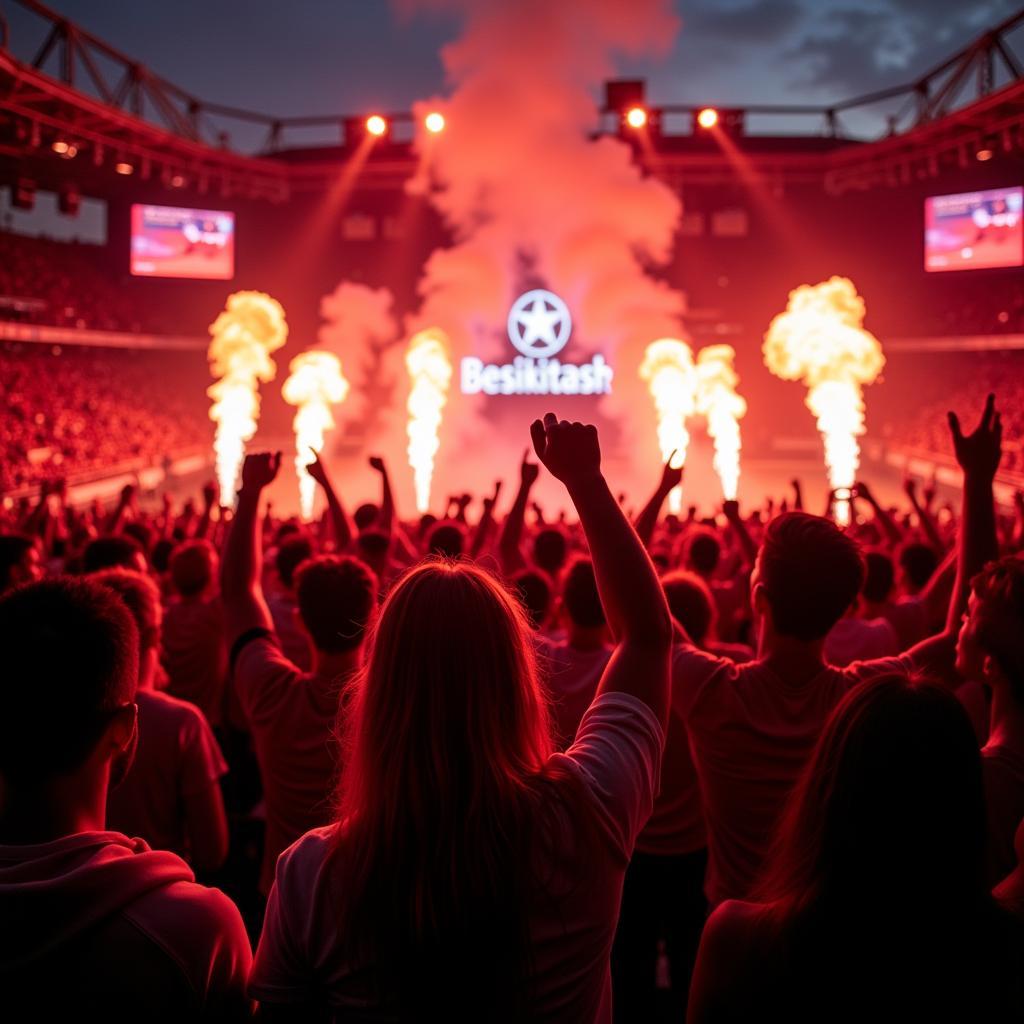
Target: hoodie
[(98, 919)]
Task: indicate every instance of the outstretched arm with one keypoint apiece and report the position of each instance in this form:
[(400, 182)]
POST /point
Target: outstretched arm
[(387, 500), (242, 564), (671, 477), (978, 454), (512, 528), (731, 509), (882, 517), (631, 595), (483, 527), (339, 521), (924, 515)]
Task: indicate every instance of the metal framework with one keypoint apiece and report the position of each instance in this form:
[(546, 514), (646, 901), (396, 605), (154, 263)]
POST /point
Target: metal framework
[(66, 82)]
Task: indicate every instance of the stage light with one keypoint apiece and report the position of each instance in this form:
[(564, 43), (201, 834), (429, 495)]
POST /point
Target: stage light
[(376, 125), (707, 118), (123, 167), (984, 154), (177, 181), (434, 122), (636, 117), (59, 146)]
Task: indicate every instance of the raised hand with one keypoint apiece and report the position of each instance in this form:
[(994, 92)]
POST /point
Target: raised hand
[(570, 451), (731, 511), (259, 470), (377, 463), (317, 470), (671, 476), (528, 471), (910, 488), (210, 493), (491, 501), (979, 452)]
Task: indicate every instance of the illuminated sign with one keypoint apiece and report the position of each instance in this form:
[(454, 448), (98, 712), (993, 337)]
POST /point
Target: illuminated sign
[(539, 326)]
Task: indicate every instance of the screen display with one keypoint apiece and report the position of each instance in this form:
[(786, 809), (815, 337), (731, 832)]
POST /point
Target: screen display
[(169, 241), (973, 230)]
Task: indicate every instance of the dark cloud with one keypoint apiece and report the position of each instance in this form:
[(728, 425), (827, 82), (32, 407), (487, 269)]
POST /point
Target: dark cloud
[(760, 21), (873, 45)]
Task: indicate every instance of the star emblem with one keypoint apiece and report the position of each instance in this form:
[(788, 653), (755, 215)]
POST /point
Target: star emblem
[(539, 323)]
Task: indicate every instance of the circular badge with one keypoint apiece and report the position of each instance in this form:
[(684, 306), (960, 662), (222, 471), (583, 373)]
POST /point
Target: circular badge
[(539, 323)]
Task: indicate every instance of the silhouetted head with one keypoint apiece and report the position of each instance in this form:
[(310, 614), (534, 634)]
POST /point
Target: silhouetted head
[(703, 551), (889, 812), (536, 591), (19, 560), (580, 598), (193, 567), (290, 555), (918, 563), (879, 577), (141, 597), (366, 516), (990, 645), (691, 604), (113, 553), (71, 655), (808, 573), (336, 597), (446, 538), (550, 550)]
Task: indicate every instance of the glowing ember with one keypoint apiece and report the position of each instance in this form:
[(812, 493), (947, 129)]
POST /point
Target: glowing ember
[(820, 340), (315, 383), (723, 408), (670, 375), (430, 373), (251, 326)]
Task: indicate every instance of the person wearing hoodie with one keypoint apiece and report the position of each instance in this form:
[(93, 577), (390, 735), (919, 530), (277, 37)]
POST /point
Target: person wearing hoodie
[(93, 920)]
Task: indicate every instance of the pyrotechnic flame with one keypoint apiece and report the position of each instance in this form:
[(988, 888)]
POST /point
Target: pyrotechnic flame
[(314, 384), (820, 340), (723, 408), (251, 326), (430, 373), (670, 375)]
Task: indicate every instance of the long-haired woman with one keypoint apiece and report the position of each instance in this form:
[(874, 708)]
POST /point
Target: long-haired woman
[(473, 873), (876, 907)]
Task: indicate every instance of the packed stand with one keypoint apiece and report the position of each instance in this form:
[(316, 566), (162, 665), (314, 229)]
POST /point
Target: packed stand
[(714, 767), (70, 411)]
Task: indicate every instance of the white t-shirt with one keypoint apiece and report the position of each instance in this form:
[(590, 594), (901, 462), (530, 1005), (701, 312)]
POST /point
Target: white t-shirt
[(616, 758), (751, 732)]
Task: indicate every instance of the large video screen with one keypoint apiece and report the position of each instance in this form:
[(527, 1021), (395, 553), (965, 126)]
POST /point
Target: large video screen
[(169, 241), (973, 230)]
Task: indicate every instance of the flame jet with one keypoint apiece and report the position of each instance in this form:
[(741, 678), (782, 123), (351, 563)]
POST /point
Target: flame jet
[(819, 340), (718, 402), (429, 366), (314, 384), (668, 369), (251, 327)]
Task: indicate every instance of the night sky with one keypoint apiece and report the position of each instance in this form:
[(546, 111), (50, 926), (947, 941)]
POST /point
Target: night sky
[(337, 56)]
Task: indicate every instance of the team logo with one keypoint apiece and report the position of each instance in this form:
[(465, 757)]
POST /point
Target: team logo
[(539, 323)]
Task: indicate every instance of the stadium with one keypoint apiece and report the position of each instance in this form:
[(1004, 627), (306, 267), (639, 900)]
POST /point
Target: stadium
[(774, 305)]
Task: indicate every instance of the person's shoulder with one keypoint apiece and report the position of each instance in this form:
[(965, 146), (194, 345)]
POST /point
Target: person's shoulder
[(735, 926), (167, 705), (191, 923)]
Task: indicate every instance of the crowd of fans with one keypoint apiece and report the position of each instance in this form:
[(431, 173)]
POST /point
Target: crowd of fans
[(64, 284), (963, 379), (68, 411), (718, 768)]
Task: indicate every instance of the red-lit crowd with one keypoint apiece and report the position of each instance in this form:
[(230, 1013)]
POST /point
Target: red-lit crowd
[(76, 411), (493, 767)]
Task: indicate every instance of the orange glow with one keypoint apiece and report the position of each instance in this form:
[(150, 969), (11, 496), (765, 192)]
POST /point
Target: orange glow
[(376, 125), (670, 375), (429, 366), (636, 117), (723, 408), (123, 167), (251, 327), (819, 340), (434, 122), (315, 384), (708, 117)]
